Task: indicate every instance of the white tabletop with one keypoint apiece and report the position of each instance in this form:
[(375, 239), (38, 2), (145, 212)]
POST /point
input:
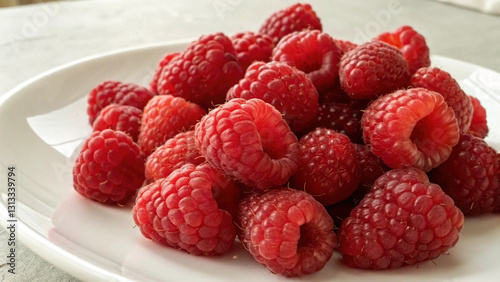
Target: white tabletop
[(39, 37)]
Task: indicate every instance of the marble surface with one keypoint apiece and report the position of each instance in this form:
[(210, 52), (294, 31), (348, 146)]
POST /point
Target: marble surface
[(36, 38)]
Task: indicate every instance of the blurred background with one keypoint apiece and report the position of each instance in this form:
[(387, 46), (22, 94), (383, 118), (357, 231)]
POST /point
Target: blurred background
[(8, 3)]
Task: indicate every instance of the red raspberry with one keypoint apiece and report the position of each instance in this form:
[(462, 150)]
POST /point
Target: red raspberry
[(286, 88), (180, 211), (116, 92), (109, 168), (203, 72), (411, 44), (296, 17), (312, 52), (121, 118), (371, 167), (153, 85), (413, 127), (163, 117), (176, 152), (250, 47), (287, 231), (341, 117), (328, 169), (442, 82), (400, 224), (345, 45), (470, 176), (479, 125), (249, 140), (372, 69)]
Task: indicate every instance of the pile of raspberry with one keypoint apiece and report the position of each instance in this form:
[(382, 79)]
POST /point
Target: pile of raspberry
[(297, 145)]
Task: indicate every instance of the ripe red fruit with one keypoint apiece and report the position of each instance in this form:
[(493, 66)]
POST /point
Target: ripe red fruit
[(442, 82), (109, 168), (296, 17), (176, 152), (400, 223), (328, 168), (312, 52), (287, 231), (470, 176), (119, 117), (250, 47), (116, 92), (286, 88), (479, 124), (249, 140), (372, 69), (411, 44), (165, 116), (413, 127), (203, 72), (153, 85), (180, 211)]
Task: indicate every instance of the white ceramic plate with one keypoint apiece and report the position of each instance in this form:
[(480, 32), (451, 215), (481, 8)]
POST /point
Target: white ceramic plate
[(43, 123)]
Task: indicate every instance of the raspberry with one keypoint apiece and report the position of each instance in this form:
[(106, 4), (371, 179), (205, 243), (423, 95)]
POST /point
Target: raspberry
[(180, 211), (121, 118), (312, 52), (153, 85), (163, 117), (328, 169), (296, 17), (442, 82), (341, 117), (116, 92), (411, 44), (478, 125), (176, 152), (287, 231), (286, 88), (400, 224), (413, 127), (470, 176), (345, 45), (250, 47), (371, 167), (249, 140), (109, 168), (372, 69), (203, 72)]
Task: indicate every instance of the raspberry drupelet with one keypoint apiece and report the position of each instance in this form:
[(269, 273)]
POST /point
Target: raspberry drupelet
[(119, 117)]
